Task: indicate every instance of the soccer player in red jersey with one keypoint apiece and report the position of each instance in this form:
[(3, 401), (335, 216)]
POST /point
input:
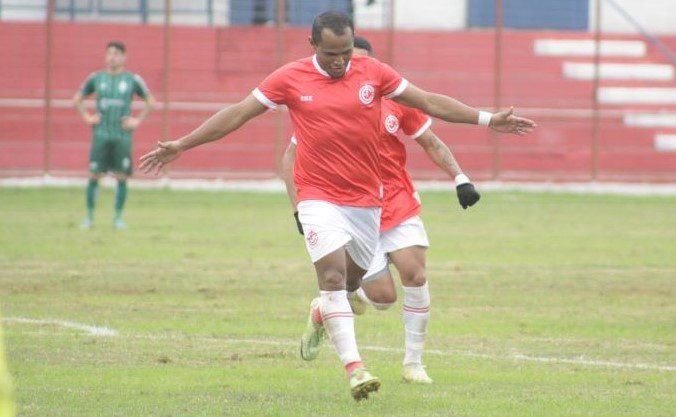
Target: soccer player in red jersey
[(403, 239), (334, 103)]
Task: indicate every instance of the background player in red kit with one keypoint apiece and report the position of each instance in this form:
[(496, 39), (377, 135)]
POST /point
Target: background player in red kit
[(403, 239), (334, 104)]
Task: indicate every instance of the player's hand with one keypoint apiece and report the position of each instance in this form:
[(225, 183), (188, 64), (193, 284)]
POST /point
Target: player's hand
[(155, 160), (506, 122), (92, 119), (130, 123), (299, 225), (467, 194)]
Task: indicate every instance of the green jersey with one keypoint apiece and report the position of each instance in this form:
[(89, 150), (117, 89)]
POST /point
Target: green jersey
[(114, 95)]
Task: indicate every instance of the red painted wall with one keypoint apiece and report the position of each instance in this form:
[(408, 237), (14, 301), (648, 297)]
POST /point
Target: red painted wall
[(223, 65)]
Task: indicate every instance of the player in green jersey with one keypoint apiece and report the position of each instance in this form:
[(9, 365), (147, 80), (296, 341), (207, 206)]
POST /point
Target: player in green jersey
[(112, 126)]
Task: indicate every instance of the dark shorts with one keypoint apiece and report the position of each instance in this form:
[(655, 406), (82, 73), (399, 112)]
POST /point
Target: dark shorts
[(111, 155)]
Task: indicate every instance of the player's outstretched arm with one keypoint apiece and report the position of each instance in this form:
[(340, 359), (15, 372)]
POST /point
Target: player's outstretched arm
[(453, 111), (442, 156), (217, 126), (288, 159)]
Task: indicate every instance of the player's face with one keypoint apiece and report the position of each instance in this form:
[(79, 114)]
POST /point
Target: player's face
[(114, 58), (334, 52)]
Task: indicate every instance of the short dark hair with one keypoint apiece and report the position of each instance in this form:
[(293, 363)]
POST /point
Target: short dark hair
[(337, 22), (362, 43), (117, 45)]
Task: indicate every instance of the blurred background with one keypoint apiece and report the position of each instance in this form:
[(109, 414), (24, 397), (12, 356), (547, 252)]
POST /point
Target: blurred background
[(597, 76)]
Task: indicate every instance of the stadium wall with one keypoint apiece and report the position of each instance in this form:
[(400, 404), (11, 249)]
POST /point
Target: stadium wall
[(214, 66)]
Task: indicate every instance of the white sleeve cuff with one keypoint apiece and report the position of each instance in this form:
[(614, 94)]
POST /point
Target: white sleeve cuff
[(264, 100), (402, 86), (461, 179), (422, 130)]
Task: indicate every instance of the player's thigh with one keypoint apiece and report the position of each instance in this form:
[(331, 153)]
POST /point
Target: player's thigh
[(121, 156), (379, 287), (324, 228), (354, 273), (363, 226), (331, 270), (410, 262), (99, 156)]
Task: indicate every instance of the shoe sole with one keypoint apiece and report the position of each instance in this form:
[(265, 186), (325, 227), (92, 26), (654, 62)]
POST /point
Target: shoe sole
[(361, 391), (417, 381)]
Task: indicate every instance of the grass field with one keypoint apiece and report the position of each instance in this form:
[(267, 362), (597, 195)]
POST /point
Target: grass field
[(542, 305)]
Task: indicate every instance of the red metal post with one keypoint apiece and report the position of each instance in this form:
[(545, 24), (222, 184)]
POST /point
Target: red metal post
[(166, 62), (281, 141), (390, 33), (595, 94), (49, 35), (497, 88)]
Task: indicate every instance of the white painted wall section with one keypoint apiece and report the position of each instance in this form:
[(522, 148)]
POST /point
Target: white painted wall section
[(611, 71), (665, 143), (631, 95), (651, 120), (656, 16), (584, 47)]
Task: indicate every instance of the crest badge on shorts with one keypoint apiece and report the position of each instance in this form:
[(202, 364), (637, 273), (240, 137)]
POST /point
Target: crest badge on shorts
[(366, 94), (312, 238), (392, 124)]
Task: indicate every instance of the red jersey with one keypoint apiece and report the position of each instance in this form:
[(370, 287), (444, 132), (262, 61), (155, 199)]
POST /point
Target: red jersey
[(336, 121), (400, 201)]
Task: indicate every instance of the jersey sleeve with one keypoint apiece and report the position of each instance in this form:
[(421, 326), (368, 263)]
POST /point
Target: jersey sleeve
[(414, 122), (140, 87), (271, 92), (89, 85), (392, 84)]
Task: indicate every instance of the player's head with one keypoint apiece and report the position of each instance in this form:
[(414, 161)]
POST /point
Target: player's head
[(115, 55), (362, 46), (332, 39)]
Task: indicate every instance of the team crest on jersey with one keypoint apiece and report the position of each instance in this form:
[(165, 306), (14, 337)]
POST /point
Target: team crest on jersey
[(312, 238), (392, 124), (366, 94), (123, 86)]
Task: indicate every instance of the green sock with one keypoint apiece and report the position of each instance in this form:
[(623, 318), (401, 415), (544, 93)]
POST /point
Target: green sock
[(92, 193), (120, 198)]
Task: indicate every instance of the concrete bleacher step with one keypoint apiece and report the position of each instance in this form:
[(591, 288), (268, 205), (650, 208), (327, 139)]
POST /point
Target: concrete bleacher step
[(617, 71), (637, 95), (665, 142), (587, 47), (651, 120)]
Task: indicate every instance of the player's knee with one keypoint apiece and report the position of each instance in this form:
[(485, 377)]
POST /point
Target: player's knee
[(383, 300), (332, 280), (416, 278)]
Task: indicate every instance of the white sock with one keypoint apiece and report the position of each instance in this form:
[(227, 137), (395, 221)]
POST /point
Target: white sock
[(416, 312), (339, 325)]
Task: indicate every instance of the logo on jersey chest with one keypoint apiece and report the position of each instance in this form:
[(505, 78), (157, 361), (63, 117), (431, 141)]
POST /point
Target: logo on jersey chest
[(366, 94), (391, 124), (122, 86), (306, 99)]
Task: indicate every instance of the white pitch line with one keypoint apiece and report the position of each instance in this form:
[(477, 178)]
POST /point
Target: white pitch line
[(105, 331), (91, 330)]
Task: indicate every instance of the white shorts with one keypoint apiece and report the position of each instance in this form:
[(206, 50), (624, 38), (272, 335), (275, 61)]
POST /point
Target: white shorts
[(329, 227), (410, 232)]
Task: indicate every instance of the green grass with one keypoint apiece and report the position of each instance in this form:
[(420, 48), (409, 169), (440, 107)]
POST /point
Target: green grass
[(209, 293)]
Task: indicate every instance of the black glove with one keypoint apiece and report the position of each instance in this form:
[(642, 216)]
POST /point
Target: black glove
[(298, 224), (467, 194)]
